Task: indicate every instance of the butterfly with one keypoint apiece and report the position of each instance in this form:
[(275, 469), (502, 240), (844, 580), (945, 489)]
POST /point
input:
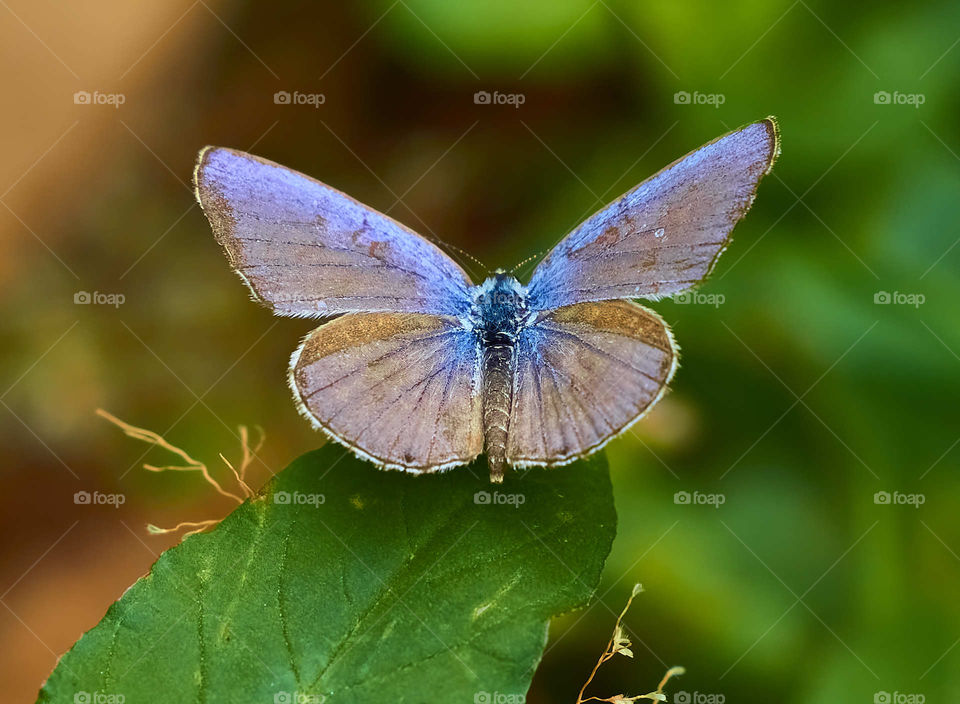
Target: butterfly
[(417, 368)]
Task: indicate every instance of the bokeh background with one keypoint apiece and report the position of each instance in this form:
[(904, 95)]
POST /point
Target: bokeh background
[(802, 393)]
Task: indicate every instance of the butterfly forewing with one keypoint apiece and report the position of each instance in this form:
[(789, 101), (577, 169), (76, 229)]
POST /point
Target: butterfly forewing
[(665, 235), (585, 372), (308, 250), (399, 388)]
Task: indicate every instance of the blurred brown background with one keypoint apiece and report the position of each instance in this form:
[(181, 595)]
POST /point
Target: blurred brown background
[(802, 395)]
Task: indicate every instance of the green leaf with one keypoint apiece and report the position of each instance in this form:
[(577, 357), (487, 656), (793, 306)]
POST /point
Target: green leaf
[(344, 583)]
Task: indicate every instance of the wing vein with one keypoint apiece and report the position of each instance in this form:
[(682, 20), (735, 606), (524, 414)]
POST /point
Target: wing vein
[(385, 355)]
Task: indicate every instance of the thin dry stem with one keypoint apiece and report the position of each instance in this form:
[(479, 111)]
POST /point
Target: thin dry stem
[(248, 456), (194, 465), (148, 436), (619, 643), (197, 525), (238, 476)]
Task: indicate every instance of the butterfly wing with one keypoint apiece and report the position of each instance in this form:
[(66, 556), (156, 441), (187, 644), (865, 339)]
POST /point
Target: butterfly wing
[(666, 234), (585, 373), (400, 389), (308, 250)]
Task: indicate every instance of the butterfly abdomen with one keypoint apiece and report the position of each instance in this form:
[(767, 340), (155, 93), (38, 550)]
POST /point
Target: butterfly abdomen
[(499, 364)]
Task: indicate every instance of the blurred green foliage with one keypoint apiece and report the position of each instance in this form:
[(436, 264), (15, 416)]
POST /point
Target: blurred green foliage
[(798, 398)]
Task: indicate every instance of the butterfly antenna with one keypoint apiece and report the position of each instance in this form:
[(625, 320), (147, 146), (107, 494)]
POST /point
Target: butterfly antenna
[(486, 269), (528, 259)]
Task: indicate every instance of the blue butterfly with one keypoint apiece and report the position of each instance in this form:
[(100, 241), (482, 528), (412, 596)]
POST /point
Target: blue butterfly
[(421, 370)]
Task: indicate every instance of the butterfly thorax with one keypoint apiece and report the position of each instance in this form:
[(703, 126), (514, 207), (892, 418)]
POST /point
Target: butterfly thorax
[(499, 308), (497, 316)]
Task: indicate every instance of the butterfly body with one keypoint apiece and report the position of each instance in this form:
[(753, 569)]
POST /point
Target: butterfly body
[(417, 368), (498, 314)]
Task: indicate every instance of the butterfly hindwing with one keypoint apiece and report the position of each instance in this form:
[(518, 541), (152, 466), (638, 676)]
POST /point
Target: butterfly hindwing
[(665, 235), (585, 372), (397, 388), (308, 250)]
